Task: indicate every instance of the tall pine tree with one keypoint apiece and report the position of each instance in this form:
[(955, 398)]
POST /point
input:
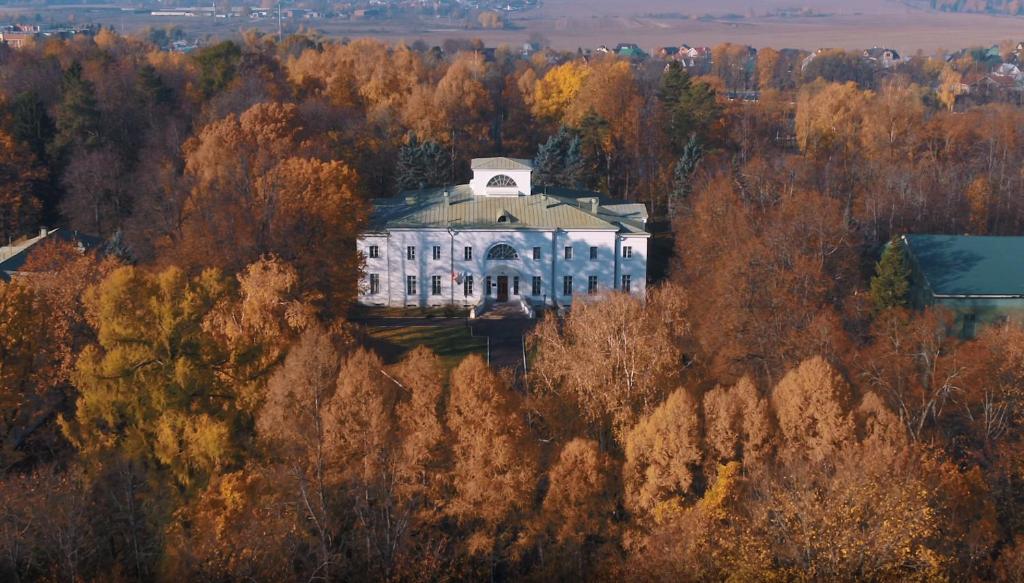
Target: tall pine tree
[(595, 134), (422, 165), (573, 166), (437, 164), (78, 117), (683, 174), (409, 170), (30, 123), (691, 106), (891, 284), (549, 165), (559, 161)]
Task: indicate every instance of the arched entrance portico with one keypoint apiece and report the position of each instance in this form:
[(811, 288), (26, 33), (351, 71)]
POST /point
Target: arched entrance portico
[(502, 277)]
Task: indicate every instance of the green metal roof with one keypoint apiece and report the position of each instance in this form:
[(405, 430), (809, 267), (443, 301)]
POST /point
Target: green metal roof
[(553, 209), (501, 164), (956, 265)]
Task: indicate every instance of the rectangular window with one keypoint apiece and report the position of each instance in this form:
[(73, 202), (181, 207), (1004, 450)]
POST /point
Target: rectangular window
[(487, 286), (536, 253), (469, 253), (374, 252), (410, 285), (626, 283), (568, 252), (374, 284), (536, 285), (410, 252), (593, 253), (567, 285), (435, 285), (467, 285), (515, 285), (592, 285), (437, 252), (627, 252)]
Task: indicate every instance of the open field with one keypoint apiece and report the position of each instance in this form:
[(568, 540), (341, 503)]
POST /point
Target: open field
[(568, 24)]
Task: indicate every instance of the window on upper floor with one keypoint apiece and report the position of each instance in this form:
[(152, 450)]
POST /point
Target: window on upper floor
[(410, 252), (536, 253), (374, 252), (437, 252), (501, 181), (568, 252), (627, 252), (468, 253), (502, 252), (593, 253)]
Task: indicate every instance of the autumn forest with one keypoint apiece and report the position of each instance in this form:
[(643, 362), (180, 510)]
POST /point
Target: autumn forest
[(193, 399)]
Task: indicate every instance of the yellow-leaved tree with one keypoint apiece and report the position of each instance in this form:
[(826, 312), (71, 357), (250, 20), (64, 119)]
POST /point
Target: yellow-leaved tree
[(150, 388), (557, 90)]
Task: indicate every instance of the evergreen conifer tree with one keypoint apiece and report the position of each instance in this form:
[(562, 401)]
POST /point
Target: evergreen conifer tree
[(573, 164), (691, 106), (681, 177), (549, 164), (30, 122), (409, 170), (78, 117), (436, 164), (153, 87), (595, 134), (891, 283), (422, 165)]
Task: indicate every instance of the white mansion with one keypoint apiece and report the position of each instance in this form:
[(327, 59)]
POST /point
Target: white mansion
[(496, 240)]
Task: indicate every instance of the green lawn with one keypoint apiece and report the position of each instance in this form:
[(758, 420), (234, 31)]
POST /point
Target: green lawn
[(358, 312), (451, 343)]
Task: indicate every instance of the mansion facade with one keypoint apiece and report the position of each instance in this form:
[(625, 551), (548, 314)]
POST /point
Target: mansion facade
[(497, 239)]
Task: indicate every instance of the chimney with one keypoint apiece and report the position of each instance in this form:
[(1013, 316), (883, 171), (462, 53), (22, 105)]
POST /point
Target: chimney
[(589, 203), (43, 232), (410, 200)]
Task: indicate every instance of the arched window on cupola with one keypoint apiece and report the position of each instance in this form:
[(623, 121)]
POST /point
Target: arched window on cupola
[(502, 252), (501, 181)]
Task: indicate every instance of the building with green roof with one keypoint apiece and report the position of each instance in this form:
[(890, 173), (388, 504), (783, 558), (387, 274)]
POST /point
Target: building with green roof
[(980, 279), (500, 239)]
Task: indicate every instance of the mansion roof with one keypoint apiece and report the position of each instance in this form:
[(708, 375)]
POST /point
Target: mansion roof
[(547, 208)]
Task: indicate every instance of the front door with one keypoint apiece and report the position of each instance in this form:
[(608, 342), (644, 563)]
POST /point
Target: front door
[(502, 288)]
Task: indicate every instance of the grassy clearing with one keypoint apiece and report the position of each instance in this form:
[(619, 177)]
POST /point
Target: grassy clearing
[(451, 343), (366, 312)]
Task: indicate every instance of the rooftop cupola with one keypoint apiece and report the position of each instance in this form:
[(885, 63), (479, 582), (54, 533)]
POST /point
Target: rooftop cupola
[(501, 177)]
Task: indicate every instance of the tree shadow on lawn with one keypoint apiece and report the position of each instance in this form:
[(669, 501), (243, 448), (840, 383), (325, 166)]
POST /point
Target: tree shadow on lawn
[(450, 343)]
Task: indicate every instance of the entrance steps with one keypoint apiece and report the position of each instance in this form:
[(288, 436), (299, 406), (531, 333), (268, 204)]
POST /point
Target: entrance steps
[(503, 311)]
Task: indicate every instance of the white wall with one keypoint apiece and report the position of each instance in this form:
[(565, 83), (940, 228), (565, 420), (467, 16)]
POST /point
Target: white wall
[(393, 265)]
